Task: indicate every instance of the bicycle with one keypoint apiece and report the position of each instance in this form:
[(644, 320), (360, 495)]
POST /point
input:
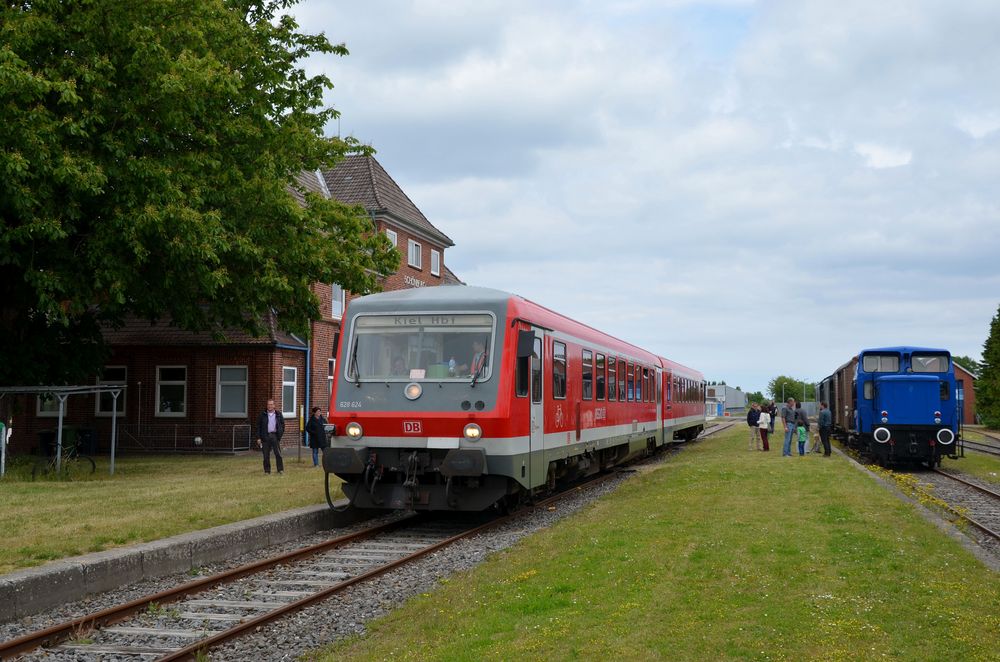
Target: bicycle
[(73, 465)]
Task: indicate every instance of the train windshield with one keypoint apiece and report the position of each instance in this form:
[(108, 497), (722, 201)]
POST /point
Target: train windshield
[(880, 363), (435, 347), (929, 363)]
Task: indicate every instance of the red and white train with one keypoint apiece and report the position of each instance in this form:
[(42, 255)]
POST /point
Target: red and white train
[(461, 398)]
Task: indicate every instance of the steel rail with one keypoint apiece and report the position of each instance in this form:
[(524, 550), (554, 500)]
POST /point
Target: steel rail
[(191, 652), (965, 482), (53, 635), (952, 509), (980, 447)]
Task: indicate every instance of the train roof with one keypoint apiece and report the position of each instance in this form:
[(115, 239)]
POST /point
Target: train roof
[(456, 295), (905, 349)]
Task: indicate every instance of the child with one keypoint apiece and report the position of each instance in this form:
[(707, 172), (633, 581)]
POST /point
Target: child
[(803, 437)]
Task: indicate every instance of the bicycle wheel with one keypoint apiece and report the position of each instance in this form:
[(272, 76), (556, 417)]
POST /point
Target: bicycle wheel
[(78, 467)]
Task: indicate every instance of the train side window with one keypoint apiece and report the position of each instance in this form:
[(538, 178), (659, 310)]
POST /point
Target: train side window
[(601, 377), (622, 372), (558, 370), (588, 374), (868, 390), (659, 390), (612, 379), (536, 372), (631, 382), (638, 383), (945, 391), (645, 384)]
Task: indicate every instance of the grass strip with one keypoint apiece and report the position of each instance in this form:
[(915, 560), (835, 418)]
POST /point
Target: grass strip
[(720, 554), (148, 498)]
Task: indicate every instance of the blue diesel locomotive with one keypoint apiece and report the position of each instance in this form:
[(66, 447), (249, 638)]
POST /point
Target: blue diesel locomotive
[(897, 405)]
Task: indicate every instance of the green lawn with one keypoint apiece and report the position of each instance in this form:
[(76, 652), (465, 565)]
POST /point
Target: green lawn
[(982, 466), (720, 554), (148, 498)]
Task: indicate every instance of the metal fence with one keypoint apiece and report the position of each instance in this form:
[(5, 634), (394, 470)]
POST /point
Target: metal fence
[(184, 437)]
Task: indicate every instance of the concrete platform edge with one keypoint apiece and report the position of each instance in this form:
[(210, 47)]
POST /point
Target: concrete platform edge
[(33, 590)]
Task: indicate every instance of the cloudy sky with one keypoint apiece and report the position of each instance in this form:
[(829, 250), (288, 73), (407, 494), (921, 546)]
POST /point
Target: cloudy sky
[(749, 188)]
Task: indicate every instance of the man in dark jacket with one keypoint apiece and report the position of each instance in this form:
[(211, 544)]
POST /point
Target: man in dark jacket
[(316, 427), (753, 418), (825, 423), (270, 427)]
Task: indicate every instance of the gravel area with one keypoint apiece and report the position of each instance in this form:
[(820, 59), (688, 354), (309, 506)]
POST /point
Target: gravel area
[(981, 507), (342, 615)]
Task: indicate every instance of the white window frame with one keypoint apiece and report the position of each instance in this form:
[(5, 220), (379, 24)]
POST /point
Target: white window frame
[(393, 237), (286, 412), (435, 263), (334, 313), (171, 414), (218, 391), (41, 413), (121, 396), (411, 245)]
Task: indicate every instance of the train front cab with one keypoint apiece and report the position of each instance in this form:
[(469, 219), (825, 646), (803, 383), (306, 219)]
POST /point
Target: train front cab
[(906, 412)]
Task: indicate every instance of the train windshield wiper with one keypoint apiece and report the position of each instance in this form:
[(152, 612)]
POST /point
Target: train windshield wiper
[(482, 364), (353, 365)]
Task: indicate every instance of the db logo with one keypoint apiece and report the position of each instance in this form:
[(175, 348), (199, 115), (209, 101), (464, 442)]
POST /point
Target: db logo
[(412, 427)]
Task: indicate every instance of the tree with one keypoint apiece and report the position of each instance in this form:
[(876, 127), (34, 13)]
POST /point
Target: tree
[(988, 384), (147, 152), (968, 363), (756, 396), (793, 388)]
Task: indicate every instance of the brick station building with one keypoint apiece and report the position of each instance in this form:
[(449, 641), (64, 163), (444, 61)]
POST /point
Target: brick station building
[(190, 391)]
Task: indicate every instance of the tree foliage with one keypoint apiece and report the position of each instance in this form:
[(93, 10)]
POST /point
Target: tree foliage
[(146, 155), (793, 388), (988, 384)]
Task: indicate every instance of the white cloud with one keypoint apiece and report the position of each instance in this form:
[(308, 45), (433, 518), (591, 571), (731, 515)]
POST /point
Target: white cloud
[(880, 156), (721, 182)]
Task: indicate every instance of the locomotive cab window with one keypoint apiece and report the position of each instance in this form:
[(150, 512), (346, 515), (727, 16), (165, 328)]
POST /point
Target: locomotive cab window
[(869, 390), (929, 363), (588, 374), (880, 363), (443, 346), (558, 370)]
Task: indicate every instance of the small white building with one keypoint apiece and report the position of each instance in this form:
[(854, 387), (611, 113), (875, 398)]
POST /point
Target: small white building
[(721, 400)]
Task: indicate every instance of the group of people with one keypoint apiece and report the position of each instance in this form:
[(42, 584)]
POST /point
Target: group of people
[(271, 427), (761, 419)]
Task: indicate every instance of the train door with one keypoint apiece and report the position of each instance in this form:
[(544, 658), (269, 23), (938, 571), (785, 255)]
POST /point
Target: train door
[(659, 407), (536, 441)]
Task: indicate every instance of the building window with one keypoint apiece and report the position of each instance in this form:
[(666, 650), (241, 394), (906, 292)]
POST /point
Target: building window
[(558, 370), (337, 301), (393, 238), (46, 405), (435, 263), (113, 374), (231, 391), (288, 391), (413, 255), (171, 390), (588, 374)]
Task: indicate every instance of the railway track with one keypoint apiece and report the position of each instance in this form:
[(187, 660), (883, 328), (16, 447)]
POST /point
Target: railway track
[(973, 503), (186, 621), (989, 449)]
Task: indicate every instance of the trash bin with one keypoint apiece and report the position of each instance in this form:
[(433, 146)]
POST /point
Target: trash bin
[(86, 441), (47, 442)]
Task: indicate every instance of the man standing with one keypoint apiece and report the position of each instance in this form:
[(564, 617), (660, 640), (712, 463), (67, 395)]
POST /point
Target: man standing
[(753, 418), (270, 427), (788, 420), (825, 424)]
